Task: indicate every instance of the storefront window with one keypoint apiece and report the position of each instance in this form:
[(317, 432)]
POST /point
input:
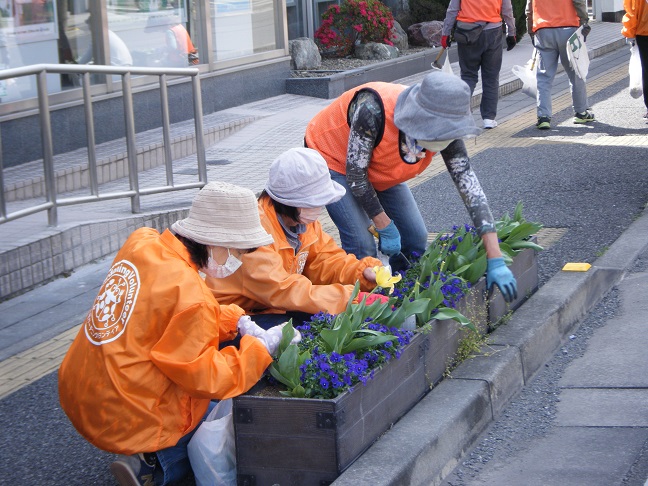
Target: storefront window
[(153, 33), (28, 35), (242, 27)]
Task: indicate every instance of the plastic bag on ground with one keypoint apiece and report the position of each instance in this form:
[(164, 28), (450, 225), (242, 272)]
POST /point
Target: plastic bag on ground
[(212, 452), (577, 53), (527, 75), (634, 71)]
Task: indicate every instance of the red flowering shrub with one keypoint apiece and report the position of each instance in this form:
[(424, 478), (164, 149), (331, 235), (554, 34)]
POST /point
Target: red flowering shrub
[(354, 20)]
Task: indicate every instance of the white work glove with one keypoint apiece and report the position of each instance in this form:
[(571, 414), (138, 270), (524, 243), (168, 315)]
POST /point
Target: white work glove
[(269, 338)]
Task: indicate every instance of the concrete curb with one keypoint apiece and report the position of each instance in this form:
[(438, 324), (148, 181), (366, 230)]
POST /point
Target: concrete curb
[(427, 443)]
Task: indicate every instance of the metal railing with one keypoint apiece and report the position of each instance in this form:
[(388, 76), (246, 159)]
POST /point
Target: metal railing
[(52, 202)]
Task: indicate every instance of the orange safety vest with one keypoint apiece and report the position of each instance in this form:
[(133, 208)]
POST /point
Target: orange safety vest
[(273, 279), (635, 20), (183, 40), (480, 11), (557, 13), (328, 133), (145, 364)]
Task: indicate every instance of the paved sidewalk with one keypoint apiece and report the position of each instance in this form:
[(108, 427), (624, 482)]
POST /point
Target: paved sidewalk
[(36, 327)]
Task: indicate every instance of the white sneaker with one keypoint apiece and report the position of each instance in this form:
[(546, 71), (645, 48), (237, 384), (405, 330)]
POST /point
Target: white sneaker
[(489, 123)]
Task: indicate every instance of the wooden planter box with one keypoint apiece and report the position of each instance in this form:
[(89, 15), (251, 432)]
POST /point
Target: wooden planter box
[(302, 442), (525, 269), (293, 441)]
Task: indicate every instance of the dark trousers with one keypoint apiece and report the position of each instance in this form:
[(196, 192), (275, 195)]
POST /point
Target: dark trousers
[(642, 45), (485, 54)]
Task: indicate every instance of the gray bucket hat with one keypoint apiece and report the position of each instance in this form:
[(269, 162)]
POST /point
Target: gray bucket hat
[(437, 108), (300, 178), (226, 215)]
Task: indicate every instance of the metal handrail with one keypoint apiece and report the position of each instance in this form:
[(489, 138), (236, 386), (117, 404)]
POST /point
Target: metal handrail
[(52, 202)]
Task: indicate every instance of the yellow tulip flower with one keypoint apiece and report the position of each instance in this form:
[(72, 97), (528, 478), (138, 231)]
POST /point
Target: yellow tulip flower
[(385, 279)]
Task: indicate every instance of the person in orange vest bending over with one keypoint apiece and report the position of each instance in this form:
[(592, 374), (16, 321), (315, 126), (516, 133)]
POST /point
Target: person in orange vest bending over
[(379, 135), (478, 32), (142, 371), (550, 25), (181, 50)]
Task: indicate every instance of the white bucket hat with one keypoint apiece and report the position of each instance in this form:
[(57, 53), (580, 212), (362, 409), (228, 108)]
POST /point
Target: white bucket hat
[(226, 215), (437, 108), (300, 178)]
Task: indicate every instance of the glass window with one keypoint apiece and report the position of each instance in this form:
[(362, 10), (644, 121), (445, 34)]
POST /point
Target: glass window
[(28, 35), (242, 27), (295, 15), (150, 33)]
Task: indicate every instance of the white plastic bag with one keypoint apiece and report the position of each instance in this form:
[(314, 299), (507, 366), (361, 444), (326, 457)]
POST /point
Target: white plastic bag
[(447, 68), (527, 75), (577, 54), (634, 70), (212, 450)]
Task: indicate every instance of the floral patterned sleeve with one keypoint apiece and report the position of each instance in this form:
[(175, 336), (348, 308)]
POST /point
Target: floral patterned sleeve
[(366, 116), (456, 160)]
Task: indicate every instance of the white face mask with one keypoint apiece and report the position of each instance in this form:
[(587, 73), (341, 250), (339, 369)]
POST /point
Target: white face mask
[(434, 145), (309, 215), (216, 270)]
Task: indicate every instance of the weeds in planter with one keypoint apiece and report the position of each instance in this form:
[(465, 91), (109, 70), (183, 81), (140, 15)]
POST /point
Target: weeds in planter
[(339, 352), (469, 346)]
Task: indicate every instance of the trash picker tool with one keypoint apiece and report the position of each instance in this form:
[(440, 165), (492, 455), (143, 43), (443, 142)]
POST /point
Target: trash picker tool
[(436, 64)]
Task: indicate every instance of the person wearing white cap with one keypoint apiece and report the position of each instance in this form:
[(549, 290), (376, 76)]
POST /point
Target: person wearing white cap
[(140, 375), (379, 135), (304, 271)]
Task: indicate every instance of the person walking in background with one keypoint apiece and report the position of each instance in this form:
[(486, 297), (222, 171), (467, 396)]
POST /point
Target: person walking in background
[(379, 135), (550, 24), (635, 29), (304, 271), (181, 50), (142, 371), (478, 32)]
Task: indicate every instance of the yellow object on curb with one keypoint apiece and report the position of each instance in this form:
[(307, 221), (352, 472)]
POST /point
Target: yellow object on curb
[(576, 267)]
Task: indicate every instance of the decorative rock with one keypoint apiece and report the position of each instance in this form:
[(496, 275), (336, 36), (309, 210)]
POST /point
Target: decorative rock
[(375, 51), (425, 33), (304, 54), (399, 37)]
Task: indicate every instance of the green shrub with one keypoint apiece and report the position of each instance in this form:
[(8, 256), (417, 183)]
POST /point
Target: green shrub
[(427, 10)]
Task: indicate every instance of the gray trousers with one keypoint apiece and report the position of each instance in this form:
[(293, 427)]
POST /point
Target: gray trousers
[(486, 54), (551, 44)]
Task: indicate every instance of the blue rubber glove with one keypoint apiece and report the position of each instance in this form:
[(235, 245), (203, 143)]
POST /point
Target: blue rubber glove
[(389, 241), (499, 274)]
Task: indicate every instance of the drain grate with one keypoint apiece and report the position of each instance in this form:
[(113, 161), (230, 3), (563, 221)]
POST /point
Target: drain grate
[(218, 162)]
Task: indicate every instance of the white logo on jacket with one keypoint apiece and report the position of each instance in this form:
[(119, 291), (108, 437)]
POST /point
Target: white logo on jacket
[(114, 304)]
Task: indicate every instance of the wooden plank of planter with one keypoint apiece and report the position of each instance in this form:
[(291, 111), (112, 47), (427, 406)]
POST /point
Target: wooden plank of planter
[(308, 441)]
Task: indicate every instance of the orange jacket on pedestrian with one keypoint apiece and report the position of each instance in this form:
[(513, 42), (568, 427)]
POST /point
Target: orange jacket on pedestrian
[(635, 20), (480, 11), (145, 364), (272, 279), (555, 13), (328, 133)]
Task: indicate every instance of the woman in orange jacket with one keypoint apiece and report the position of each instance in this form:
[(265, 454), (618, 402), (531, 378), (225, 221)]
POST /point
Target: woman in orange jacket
[(635, 28), (304, 271), (140, 375)]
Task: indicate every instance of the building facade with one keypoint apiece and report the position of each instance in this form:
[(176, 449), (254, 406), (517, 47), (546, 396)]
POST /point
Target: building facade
[(239, 46)]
